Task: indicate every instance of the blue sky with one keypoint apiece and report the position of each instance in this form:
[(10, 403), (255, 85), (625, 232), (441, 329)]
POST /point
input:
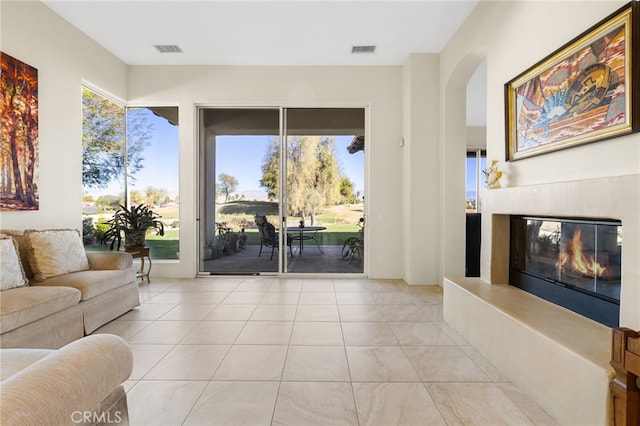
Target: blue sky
[(471, 177), (161, 166), (239, 156)]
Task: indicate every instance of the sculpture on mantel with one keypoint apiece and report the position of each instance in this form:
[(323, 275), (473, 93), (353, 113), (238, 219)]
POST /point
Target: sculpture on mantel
[(493, 175)]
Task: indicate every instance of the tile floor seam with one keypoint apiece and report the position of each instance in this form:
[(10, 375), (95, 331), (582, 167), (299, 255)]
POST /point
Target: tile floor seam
[(377, 286), (513, 402), (435, 403), (195, 403), (220, 363)]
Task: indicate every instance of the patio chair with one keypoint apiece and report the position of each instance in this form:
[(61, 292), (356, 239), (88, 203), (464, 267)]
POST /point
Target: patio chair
[(269, 236)]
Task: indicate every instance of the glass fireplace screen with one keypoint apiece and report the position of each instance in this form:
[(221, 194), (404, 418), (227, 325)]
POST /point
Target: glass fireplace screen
[(584, 255)]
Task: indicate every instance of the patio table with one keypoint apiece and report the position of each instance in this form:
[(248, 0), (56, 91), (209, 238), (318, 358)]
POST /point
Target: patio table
[(306, 233)]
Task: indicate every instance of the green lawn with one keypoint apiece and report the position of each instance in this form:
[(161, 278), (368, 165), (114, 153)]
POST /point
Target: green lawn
[(165, 247), (160, 247), (341, 223)]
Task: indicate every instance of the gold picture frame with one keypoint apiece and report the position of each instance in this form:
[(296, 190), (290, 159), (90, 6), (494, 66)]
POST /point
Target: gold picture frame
[(581, 93)]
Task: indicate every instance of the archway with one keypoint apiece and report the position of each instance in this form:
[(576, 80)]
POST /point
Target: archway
[(453, 153)]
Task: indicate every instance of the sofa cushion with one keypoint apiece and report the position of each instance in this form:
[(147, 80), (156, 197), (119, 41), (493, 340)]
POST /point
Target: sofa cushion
[(92, 283), (55, 252), (12, 272), (100, 260), (23, 305)]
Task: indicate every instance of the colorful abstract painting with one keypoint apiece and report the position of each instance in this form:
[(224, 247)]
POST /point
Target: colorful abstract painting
[(19, 113), (582, 94)]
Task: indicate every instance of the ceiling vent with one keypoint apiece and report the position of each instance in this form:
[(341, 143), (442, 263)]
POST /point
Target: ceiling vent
[(363, 49), (168, 48)]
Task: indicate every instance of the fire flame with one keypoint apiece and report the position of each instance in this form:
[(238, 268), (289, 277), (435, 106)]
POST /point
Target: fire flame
[(578, 261)]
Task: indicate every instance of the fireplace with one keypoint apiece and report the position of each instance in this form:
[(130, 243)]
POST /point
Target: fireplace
[(574, 263)]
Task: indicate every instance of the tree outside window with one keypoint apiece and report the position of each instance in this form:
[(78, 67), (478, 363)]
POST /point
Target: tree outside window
[(127, 155)]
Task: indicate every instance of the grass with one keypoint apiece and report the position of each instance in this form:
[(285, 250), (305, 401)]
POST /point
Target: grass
[(166, 247), (241, 213), (341, 222)]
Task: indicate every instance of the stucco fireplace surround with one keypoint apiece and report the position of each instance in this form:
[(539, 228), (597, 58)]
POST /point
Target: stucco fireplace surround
[(559, 358)]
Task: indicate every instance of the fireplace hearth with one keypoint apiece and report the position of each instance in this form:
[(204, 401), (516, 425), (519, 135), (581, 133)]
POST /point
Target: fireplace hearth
[(574, 263)]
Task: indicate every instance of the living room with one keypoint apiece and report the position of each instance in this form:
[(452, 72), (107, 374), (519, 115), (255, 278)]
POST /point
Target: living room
[(416, 145)]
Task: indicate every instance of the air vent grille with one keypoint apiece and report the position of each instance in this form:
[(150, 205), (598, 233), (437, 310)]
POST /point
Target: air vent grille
[(168, 48), (363, 49)]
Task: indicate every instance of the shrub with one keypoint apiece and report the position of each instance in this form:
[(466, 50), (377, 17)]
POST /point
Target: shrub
[(101, 228), (88, 229)]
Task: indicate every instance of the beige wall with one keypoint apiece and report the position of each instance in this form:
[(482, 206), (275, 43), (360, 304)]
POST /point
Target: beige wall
[(64, 57), (509, 35), (508, 32), (420, 170), (376, 88), (414, 193)]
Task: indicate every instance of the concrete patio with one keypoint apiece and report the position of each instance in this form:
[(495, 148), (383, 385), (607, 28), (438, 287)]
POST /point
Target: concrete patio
[(247, 261)]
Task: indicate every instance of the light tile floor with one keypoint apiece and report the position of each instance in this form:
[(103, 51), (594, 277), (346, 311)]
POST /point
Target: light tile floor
[(275, 351)]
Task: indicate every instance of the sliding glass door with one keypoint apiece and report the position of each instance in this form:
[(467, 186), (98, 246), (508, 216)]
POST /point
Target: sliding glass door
[(282, 190), (325, 189), (234, 146)]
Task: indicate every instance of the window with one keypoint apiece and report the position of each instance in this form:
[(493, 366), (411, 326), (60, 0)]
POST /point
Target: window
[(476, 163), (129, 157)]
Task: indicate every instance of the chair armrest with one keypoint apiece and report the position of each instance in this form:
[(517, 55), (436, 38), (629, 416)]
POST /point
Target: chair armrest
[(109, 260), (75, 378)]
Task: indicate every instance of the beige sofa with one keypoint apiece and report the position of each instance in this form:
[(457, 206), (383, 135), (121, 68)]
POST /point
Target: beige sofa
[(78, 384), (55, 310)]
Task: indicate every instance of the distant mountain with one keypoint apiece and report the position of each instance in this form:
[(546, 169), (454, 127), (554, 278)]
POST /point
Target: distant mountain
[(258, 195)]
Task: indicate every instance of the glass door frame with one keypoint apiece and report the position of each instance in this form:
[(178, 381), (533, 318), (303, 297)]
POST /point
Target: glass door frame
[(282, 175), (282, 196)]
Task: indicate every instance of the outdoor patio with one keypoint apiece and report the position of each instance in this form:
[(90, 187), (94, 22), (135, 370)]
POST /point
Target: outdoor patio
[(246, 261)]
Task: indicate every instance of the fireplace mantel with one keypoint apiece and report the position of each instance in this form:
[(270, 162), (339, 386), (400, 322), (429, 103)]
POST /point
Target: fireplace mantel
[(501, 321), (558, 358)]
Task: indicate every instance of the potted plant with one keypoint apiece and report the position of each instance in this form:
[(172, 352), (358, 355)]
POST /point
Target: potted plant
[(133, 223)]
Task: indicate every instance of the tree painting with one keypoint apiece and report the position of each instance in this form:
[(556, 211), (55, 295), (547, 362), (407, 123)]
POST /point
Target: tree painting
[(19, 156)]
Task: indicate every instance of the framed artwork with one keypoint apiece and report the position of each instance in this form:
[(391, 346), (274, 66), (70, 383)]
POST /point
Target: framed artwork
[(19, 155), (583, 92)]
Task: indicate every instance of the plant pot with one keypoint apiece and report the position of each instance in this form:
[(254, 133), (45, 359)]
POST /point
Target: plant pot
[(135, 239)]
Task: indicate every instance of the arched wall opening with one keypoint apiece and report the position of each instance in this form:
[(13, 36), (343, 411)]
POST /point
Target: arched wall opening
[(453, 140)]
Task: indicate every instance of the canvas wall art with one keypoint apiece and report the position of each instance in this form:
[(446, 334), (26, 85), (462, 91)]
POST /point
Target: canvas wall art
[(19, 113), (584, 92)]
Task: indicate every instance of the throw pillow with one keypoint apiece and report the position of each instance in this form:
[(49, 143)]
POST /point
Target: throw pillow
[(55, 252), (12, 273), (20, 239)]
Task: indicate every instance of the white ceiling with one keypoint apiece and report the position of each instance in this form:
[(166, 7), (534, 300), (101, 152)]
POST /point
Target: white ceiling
[(240, 32), (267, 32)]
